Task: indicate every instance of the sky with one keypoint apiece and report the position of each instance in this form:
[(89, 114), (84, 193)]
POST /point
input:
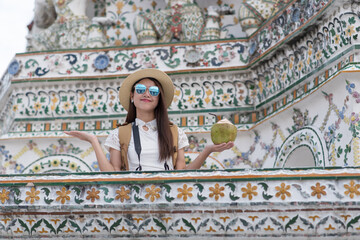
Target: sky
[(15, 15)]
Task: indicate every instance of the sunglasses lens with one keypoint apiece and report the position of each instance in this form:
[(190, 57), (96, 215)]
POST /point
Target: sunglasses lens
[(154, 91), (140, 88)]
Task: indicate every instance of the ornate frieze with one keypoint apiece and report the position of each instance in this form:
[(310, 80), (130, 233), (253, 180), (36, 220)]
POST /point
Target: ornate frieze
[(230, 204), (331, 40), (118, 62)]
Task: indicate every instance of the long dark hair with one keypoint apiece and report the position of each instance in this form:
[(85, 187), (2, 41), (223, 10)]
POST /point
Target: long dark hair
[(162, 122)]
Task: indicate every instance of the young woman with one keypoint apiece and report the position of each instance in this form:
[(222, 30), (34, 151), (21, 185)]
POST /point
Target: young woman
[(146, 95)]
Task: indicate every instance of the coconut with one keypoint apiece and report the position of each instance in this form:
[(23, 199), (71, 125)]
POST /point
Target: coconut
[(223, 131)]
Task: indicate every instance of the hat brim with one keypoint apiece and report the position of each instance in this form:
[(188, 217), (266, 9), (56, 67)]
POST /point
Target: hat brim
[(165, 81)]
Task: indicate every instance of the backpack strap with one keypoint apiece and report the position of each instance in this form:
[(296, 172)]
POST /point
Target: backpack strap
[(125, 133), (175, 135)]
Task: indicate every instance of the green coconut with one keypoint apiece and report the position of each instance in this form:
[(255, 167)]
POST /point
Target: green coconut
[(223, 131)]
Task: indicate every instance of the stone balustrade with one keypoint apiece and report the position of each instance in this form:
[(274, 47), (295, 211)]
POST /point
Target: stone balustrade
[(202, 204)]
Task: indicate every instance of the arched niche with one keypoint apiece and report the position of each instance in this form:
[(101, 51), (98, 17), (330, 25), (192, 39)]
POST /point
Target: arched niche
[(303, 148), (302, 156), (59, 163)]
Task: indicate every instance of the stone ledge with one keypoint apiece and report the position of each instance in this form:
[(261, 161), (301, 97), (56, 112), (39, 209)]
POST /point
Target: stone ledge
[(232, 204)]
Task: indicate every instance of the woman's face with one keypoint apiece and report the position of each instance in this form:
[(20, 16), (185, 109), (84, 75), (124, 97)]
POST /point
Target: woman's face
[(145, 101)]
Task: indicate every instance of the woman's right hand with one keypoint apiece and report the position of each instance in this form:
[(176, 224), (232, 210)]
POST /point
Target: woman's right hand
[(82, 136)]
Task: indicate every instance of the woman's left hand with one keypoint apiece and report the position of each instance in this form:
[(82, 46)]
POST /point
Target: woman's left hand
[(220, 147)]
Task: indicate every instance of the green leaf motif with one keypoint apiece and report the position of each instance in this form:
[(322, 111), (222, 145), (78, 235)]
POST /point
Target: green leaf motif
[(189, 225), (138, 199), (219, 91), (277, 223), (203, 224), (81, 69), (36, 225), (49, 226), (75, 225), (48, 200), (201, 198), (233, 197), (264, 186), (130, 224), (173, 63), (104, 108), (16, 191), (78, 200), (106, 190), (88, 224), (217, 223), (169, 198), (136, 189), (262, 222), (115, 225), (167, 188), (124, 57), (10, 225), (108, 200), (144, 224), (160, 225), (102, 224), (61, 226), (77, 190), (26, 229), (352, 222), (291, 222), (231, 224), (175, 224), (199, 186), (31, 63), (338, 221), (352, 20), (206, 55), (231, 186), (266, 196), (17, 200)]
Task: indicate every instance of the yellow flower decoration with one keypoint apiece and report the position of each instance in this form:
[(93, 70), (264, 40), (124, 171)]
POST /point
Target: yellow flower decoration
[(122, 194), (216, 191), (63, 195), (191, 99), (226, 97), (349, 31), (92, 195), (352, 189), (249, 191), (36, 168), (318, 190), (37, 106), (185, 192), (95, 103), (73, 166), (300, 65), (66, 105), (32, 195), (55, 163), (153, 193), (318, 55), (282, 191), (4, 195)]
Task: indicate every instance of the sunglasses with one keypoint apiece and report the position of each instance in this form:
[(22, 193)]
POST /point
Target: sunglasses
[(141, 89)]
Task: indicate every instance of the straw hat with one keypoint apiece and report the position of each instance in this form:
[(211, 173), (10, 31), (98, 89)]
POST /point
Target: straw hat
[(165, 81)]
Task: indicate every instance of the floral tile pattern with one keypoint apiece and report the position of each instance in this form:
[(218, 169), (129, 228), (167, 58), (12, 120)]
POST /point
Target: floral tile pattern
[(123, 208)]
